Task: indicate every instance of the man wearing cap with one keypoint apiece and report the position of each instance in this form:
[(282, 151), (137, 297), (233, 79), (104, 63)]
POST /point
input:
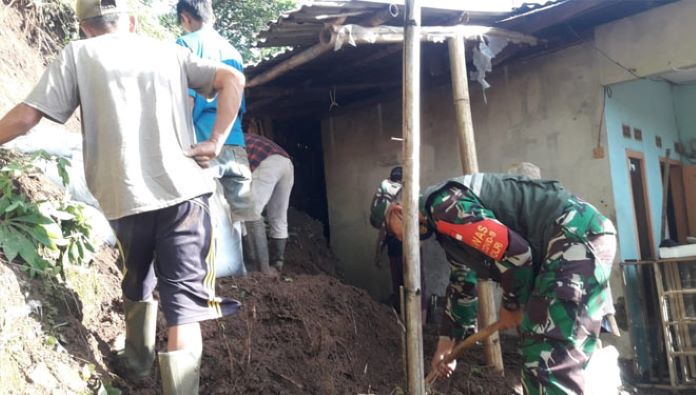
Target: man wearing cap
[(386, 193), (272, 180), (141, 166), (231, 166), (552, 254)]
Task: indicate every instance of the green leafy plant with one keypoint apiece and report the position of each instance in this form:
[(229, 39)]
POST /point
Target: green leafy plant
[(45, 235), (79, 247)]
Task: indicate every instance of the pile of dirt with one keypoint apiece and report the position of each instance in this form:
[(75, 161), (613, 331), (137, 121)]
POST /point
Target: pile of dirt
[(302, 332), (307, 251)]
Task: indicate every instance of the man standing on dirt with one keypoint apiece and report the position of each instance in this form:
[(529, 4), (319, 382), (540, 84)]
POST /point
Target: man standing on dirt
[(231, 166), (141, 166), (552, 254), (387, 192), (273, 176)]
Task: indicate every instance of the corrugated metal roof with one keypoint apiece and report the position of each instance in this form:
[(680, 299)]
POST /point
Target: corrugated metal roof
[(356, 73)]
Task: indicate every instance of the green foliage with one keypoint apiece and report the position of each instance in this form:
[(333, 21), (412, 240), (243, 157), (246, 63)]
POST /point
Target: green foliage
[(45, 235), (148, 21), (79, 248), (239, 21)]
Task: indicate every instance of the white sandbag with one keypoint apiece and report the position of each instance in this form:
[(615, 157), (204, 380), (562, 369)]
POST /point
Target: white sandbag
[(77, 184), (228, 260), (54, 139), (101, 229), (602, 374)]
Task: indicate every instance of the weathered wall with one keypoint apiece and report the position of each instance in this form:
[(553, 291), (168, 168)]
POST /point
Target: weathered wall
[(649, 106), (685, 108), (358, 153), (546, 111), (649, 43), (646, 105)]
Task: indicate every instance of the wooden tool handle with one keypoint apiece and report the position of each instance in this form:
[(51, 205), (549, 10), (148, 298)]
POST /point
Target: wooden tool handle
[(463, 345)]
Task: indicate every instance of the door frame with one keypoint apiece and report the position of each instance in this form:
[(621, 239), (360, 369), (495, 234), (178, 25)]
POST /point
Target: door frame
[(630, 154), (676, 187)]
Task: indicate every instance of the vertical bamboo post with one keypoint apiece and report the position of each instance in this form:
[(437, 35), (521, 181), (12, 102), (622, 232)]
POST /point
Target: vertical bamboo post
[(411, 159), (467, 154)]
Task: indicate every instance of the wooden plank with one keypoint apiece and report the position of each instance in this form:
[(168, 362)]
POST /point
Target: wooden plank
[(689, 174)]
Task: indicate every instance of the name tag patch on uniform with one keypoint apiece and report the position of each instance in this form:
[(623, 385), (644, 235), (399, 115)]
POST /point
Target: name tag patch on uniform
[(487, 236)]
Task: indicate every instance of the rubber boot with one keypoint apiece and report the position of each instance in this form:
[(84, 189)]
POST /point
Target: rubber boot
[(180, 372), (258, 246), (276, 249), (141, 329)]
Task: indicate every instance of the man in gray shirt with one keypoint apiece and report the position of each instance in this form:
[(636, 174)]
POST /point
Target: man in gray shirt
[(145, 172)]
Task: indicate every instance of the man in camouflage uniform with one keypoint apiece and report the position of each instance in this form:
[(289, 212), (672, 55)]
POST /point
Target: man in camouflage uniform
[(551, 253)]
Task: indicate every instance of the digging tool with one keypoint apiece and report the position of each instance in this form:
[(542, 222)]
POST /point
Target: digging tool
[(463, 345)]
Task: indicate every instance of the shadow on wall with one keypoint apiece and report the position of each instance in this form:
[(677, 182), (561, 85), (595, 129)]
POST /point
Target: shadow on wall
[(301, 138)]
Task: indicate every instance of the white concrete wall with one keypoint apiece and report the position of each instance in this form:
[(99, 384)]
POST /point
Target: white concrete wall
[(649, 43), (358, 154)]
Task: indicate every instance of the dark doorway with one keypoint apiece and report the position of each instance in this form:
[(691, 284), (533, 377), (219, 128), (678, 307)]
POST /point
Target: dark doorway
[(640, 205), (301, 138), (677, 226), (646, 277)]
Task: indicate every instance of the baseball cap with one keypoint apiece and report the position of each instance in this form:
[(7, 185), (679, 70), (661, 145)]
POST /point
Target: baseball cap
[(396, 174), (87, 9)]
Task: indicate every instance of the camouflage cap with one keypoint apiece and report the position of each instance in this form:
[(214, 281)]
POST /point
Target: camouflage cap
[(86, 9)]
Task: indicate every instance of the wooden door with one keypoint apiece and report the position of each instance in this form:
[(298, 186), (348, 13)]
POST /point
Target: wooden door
[(689, 174)]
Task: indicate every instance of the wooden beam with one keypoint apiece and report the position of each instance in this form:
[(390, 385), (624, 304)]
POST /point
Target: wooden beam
[(395, 34), (325, 45), (411, 163), (467, 155), (271, 91)]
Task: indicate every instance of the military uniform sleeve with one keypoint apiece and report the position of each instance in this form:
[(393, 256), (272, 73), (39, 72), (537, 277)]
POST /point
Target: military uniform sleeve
[(56, 95), (460, 215)]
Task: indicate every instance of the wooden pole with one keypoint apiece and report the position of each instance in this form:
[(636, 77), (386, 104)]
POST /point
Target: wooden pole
[(411, 159), (382, 35), (303, 57), (467, 154), (665, 195)]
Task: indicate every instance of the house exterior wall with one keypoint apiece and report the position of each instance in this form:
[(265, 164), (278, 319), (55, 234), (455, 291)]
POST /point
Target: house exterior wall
[(649, 106), (649, 43), (546, 110), (358, 153), (685, 108)]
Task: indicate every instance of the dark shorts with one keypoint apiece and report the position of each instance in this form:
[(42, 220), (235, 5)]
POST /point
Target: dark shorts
[(172, 248)]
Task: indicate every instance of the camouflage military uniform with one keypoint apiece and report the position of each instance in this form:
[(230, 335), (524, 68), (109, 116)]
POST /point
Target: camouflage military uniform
[(561, 278)]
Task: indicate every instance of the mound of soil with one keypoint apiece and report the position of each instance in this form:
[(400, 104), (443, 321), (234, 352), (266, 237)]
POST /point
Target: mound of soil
[(307, 251)]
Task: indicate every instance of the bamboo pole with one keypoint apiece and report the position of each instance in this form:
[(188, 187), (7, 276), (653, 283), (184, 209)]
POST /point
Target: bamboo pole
[(301, 58), (467, 154), (411, 159)]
